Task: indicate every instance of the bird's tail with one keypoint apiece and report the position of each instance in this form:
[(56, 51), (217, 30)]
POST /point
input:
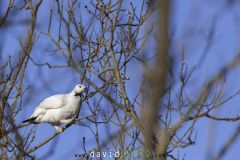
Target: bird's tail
[(30, 120)]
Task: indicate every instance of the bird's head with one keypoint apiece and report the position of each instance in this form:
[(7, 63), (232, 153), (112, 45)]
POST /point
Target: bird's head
[(79, 90)]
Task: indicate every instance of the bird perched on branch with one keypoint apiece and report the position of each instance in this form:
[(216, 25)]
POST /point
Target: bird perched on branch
[(58, 109)]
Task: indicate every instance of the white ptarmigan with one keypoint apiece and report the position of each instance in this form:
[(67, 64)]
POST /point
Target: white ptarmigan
[(58, 109)]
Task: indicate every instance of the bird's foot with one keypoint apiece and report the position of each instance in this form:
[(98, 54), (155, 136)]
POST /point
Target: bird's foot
[(58, 129)]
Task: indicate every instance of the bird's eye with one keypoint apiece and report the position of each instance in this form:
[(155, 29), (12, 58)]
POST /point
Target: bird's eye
[(80, 86)]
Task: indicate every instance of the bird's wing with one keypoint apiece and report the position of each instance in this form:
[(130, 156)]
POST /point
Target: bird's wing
[(53, 102), (37, 112)]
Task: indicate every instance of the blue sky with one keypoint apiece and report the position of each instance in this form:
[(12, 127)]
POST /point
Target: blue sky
[(189, 16), (198, 16)]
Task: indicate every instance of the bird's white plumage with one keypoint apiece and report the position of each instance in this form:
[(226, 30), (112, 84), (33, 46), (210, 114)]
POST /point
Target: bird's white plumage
[(59, 109)]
